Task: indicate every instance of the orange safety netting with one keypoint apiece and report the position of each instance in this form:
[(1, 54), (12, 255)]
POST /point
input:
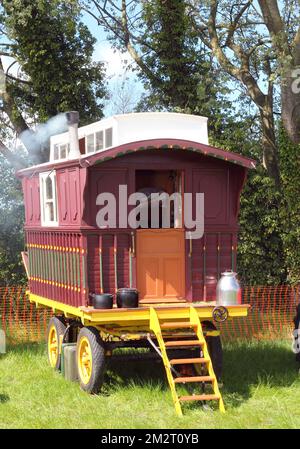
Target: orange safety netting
[(271, 315), (19, 318)]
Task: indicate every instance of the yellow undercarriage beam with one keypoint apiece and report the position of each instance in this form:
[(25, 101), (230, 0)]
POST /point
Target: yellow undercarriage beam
[(133, 318)]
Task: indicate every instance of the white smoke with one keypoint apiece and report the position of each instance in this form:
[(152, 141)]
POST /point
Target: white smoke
[(39, 138)]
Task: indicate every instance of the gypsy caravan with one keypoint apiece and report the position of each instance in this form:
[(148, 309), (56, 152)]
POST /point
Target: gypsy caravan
[(91, 231)]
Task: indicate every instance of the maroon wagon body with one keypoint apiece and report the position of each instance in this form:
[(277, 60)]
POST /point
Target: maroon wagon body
[(75, 257)]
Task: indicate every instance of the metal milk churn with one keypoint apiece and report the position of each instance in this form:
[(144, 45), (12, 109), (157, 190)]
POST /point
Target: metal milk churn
[(229, 291)]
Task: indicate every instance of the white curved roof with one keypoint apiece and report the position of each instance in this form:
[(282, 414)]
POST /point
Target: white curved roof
[(134, 127)]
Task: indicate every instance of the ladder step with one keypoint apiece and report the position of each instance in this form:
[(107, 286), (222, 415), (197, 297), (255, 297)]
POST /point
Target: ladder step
[(187, 361), (181, 380), (183, 343), (201, 397), (177, 325)]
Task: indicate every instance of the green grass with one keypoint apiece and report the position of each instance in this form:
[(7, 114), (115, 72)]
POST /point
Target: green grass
[(261, 390)]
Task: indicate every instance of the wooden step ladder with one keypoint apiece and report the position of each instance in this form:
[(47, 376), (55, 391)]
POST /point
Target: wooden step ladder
[(173, 376)]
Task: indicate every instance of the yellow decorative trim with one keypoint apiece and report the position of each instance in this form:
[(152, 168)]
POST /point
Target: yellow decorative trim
[(53, 248)]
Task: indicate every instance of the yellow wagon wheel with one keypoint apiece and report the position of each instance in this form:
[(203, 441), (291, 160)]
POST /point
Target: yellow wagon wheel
[(56, 330), (85, 361), (90, 356)]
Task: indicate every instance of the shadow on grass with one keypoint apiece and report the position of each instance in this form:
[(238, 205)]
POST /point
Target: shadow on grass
[(246, 365), (140, 373)]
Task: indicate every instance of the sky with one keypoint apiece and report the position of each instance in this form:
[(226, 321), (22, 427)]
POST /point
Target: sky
[(116, 63)]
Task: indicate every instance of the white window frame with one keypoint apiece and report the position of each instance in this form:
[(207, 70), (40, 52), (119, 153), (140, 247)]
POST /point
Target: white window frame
[(86, 143), (45, 201), (103, 137), (112, 137), (59, 146), (95, 140)]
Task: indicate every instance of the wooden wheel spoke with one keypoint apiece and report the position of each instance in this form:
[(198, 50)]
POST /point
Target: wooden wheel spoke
[(85, 360)]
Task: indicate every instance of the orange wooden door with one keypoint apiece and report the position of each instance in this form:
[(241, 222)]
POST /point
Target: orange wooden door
[(160, 263)]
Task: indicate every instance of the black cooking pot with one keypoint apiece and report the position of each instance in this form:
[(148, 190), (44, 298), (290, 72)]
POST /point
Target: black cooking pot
[(103, 301), (127, 298)]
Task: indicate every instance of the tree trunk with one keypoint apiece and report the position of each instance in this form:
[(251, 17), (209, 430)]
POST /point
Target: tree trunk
[(270, 149), (288, 56), (290, 103)]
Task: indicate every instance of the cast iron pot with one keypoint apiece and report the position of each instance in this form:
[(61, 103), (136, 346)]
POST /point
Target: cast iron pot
[(127, 298), (104, 301)]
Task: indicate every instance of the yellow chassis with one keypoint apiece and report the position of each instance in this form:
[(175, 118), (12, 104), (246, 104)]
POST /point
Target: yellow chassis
[(134, 321)]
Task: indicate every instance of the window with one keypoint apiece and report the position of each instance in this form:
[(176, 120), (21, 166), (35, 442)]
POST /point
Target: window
[(61, 151), (108, 138), (99, 141), (48, 198), (95, 142), (56, 152), (90, 143)]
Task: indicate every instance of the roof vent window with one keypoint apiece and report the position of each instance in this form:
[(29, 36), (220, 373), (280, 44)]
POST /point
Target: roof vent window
[(99, 140), (61, 151), (56, 152), (90, 143), (108, 138)]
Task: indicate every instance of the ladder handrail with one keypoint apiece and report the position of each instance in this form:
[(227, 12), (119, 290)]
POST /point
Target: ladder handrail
[(194, 319), (195, 323), (155, 327)]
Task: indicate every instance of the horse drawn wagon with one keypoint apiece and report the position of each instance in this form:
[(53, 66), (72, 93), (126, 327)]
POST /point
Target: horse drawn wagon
[(90, 232)]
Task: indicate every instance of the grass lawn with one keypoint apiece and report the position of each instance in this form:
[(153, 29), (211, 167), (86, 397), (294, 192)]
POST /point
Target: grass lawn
[(261, 390)]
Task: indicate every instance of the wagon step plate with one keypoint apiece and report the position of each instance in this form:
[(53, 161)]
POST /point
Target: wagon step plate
[(183, 380), (201, 397), (187, 361)]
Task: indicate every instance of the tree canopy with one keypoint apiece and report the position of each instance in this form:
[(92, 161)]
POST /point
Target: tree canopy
[(256, 43), (54, 50)]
